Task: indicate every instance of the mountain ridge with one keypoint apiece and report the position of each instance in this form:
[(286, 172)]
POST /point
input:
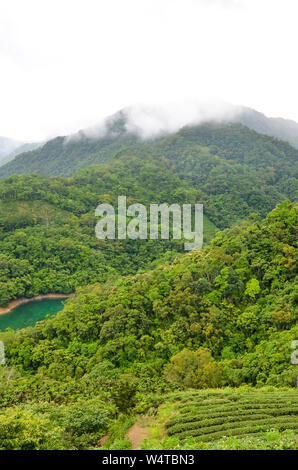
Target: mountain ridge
[(7, 146), (98, 144)]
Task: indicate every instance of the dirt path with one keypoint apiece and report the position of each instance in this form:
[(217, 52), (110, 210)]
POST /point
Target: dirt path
[(137, 434), (23, 300)]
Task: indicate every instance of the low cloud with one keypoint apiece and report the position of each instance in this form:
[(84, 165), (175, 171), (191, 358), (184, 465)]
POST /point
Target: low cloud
[(153, 121), (149, 121)]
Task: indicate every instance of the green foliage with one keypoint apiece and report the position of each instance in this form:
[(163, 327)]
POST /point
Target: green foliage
[(252, 288), (212, 416), (19, 430), (124, 394), (224, 315), (236, 170), (47, 227), (43, 426), (268, 364), (138, 323), (196, 369), (272, 440), (86, 418), (47, 241)]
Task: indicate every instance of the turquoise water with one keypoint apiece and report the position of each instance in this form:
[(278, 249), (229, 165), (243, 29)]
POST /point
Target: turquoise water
[(30, 313)]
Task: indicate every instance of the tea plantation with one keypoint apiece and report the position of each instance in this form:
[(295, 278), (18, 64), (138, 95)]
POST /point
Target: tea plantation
[(226, 419), (237, 414)]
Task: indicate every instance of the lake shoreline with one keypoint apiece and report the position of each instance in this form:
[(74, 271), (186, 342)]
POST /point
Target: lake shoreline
[(24, 300)]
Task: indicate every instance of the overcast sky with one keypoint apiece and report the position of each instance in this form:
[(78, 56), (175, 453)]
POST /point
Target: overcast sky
[(65, 64)]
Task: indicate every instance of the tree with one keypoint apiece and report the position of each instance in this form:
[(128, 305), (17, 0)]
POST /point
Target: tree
[(195, 369), (252, 288)]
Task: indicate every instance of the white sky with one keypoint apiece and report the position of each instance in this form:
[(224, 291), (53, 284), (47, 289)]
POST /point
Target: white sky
[(65, 64)]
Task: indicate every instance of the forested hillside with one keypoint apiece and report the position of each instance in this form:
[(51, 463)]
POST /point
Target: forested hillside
[(149, 321), (225, 315), (227, 298), (47, 241), (284, 129), (7, 146), (62, 157), (47, 227)]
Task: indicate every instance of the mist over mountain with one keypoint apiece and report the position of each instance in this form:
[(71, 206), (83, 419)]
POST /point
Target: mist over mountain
[(143, 306), (139, 126), (150, 122), (7, 146), (155, 121), (284, 129), (10, 148)]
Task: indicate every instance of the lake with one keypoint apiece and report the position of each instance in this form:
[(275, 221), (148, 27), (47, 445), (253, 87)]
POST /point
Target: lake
[(29, 313)]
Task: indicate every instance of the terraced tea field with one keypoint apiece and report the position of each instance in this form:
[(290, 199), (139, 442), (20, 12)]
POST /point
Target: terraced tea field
[(212, 416)]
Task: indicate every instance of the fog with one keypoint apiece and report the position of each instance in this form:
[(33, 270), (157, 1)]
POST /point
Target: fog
[(67, 64), (149, 121)]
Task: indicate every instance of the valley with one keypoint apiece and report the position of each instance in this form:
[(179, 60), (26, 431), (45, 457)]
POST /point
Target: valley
[(153, 332)]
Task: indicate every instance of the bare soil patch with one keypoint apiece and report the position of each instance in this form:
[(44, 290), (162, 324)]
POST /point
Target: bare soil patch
[(102, 441), (137, 434)]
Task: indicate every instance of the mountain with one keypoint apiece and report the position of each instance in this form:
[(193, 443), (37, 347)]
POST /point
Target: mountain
[(150, 324), (284, 129), (63, 156), (47, 227), (126, 129), (7, 146), (157, 349), (47, 239), (27, 147), (232, 170), (9, 149)]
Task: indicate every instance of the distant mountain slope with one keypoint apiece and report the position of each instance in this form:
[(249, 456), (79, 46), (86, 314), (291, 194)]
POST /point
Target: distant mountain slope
[(10, 148), (27, 147), (59, 158), (283, 129), (20, 149), (63, 156), (7, 146), (47, 241)]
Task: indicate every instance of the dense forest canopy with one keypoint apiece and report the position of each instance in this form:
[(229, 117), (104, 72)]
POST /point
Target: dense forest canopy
[(230, 141), (47, 241), (148, 321), (47, 227), (229, 310)]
